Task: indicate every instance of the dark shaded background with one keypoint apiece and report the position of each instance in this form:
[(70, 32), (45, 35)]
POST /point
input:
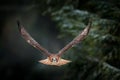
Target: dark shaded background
[(19, 60), (53, 23)]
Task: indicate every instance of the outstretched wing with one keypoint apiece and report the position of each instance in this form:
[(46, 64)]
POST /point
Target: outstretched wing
[(77, 39), (30, 40)]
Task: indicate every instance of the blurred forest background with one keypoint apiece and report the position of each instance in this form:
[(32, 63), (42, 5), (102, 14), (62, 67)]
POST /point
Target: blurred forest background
[(54, 23)]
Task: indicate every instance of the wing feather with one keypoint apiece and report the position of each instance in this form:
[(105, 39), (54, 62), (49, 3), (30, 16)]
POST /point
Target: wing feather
[(30, 40), (77, 39)]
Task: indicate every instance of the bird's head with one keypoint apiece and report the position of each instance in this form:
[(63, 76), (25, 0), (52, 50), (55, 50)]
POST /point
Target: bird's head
[(54, 58)]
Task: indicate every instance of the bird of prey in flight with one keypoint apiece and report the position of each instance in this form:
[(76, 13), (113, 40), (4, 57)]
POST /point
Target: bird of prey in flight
[(53, 59)]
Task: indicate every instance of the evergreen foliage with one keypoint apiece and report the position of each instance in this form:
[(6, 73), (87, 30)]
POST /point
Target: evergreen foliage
[(97, 57)]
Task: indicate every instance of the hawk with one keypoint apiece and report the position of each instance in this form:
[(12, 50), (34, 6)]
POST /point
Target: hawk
[(53, 59)]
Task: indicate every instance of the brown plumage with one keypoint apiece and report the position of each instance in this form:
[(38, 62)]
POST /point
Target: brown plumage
[(53, 59)]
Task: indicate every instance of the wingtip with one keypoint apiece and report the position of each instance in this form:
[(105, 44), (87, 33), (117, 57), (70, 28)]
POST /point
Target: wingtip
[(90, 21), (18, 22), (19, 25)]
